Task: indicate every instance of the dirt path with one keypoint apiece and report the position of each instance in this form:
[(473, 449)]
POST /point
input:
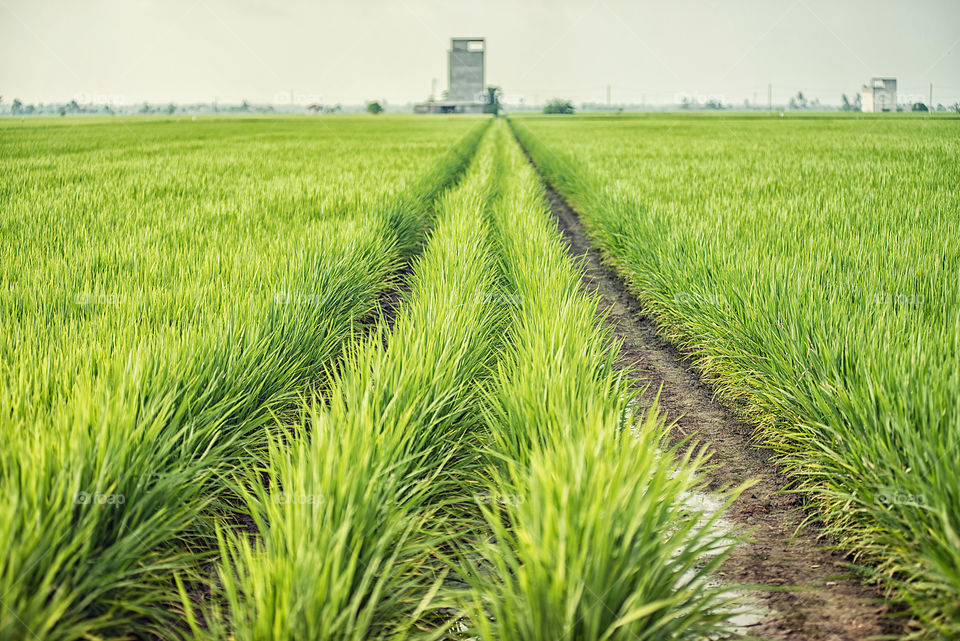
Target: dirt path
[(826, 600)]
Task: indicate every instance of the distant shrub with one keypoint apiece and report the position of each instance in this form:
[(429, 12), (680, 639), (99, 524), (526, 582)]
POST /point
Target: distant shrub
[(558, 106)]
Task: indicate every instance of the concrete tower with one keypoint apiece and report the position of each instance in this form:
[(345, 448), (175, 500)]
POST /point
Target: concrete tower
[(466, 70)]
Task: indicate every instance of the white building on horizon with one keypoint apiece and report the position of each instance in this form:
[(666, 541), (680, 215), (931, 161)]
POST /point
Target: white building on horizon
[(879, 95)]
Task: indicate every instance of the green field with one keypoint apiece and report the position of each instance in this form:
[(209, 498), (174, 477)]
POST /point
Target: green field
[(812, 266), (336, 378), (211, 430), (167, 288)]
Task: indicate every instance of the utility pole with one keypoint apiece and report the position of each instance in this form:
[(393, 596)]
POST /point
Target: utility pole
[(433, 90), (770, 97)]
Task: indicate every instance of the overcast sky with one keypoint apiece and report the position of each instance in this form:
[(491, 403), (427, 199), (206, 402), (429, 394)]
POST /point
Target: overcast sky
[(129, 51)]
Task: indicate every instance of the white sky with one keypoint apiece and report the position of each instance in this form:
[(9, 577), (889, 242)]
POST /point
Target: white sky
[(128, 51)]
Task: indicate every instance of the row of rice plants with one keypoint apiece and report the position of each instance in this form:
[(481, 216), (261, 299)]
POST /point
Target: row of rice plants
[(356, 499), (588, 533), (813, 267), (162, 296)]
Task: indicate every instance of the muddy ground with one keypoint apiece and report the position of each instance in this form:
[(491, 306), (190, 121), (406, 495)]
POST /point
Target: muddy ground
[(809, 592)]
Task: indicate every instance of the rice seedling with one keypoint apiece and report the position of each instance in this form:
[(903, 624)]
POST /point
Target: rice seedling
[(355, 506), (813, 268)]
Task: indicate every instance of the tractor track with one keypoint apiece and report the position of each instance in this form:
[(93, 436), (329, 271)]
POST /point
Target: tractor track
[(804, 590)]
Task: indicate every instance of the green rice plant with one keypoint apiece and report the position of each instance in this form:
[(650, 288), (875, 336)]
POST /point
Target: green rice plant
[(589, 533), (812, 266), (170, 288), (599, 545), (356, 505)]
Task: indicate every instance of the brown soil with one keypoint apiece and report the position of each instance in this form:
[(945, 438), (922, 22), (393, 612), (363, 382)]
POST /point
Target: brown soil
[(808, 592)]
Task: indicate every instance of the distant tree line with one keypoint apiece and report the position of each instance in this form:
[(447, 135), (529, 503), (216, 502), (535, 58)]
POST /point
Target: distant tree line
[(493, 105), (18, 108)]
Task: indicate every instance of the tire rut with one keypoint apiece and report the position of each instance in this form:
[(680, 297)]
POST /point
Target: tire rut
[(808, 591)]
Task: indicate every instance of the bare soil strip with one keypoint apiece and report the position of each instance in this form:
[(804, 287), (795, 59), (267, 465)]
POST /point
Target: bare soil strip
[(813, 594)]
